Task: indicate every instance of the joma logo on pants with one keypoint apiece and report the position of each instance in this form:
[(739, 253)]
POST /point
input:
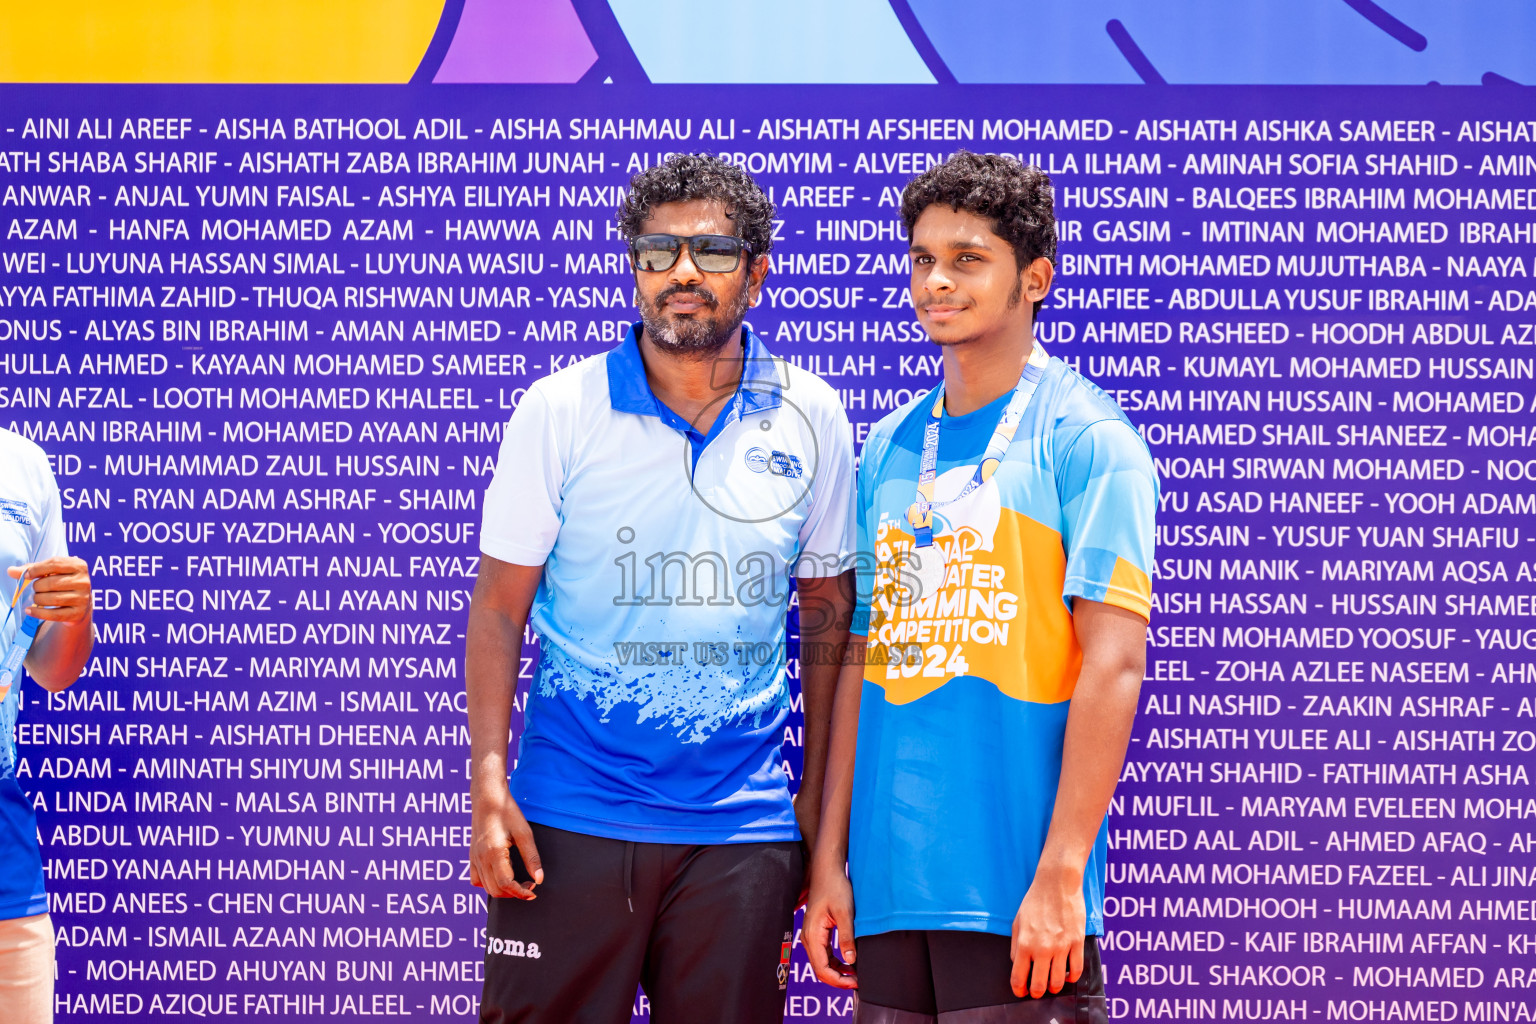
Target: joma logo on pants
[(512, 947)]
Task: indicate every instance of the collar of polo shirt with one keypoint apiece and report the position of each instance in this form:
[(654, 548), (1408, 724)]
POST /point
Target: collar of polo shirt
[(761, 386)]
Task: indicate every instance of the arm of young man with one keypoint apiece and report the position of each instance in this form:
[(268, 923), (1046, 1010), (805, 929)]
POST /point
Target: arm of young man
[(826, 590), (826, 605), (1048, 931), (831, 900), (61, 597), (498, 613), (1107, 485)]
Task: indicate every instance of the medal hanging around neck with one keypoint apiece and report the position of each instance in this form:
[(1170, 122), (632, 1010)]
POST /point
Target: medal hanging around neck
[(924, 566)]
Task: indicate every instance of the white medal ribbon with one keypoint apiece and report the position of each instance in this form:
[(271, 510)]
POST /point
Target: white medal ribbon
[(923, 568)]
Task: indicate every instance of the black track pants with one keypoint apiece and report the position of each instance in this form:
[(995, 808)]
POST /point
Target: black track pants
[(953, 977), (702, 928)]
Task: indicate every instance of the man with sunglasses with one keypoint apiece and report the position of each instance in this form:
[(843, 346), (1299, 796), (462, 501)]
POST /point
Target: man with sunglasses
[(648, 510)]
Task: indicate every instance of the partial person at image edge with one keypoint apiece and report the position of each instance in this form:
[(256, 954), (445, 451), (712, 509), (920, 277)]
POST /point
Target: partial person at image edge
[(32, 549)]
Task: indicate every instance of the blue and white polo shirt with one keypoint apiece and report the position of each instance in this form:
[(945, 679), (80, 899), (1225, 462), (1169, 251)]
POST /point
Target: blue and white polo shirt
[(660, 701), (31, 529)]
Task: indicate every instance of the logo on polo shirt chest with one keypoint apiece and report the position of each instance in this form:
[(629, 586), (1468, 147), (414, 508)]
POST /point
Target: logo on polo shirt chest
[(761, 468), (782, 464), (777, 463)]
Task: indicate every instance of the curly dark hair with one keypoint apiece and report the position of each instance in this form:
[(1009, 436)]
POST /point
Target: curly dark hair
[(1017, 199), (687, 176)]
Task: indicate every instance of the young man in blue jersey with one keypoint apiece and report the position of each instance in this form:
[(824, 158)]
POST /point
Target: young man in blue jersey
[(49, 632), (985, 708), (648, 510)]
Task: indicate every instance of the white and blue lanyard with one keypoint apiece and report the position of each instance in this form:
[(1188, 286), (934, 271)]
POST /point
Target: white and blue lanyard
[(21, 643), (920, 514)]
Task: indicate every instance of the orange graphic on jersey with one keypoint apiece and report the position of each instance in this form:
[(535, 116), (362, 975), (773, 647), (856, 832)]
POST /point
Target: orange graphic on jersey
[(998, 616)]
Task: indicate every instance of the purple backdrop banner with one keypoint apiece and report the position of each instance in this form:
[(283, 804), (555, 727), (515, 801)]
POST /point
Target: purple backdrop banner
[(269, 337)]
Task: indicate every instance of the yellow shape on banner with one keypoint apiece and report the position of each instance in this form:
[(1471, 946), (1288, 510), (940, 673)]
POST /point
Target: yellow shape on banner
[(215, 40)]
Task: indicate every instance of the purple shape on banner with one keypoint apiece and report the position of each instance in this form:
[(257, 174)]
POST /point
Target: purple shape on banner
[(517, 41), (1388, 24), (1132, 53)]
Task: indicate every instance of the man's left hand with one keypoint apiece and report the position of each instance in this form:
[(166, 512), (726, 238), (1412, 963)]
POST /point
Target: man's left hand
[(1048, 936), (61, 588)]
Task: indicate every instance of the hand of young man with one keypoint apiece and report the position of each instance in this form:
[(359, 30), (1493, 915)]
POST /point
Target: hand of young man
[(1048, 935), (497, 824), (61, 588), (830, 906)]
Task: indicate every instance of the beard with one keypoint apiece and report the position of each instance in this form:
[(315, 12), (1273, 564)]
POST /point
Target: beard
[(700, 333)]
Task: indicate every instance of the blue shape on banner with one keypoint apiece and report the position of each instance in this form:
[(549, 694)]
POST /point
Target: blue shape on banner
[(442, 39), (1305, 42), (616, 60), (783, 41), (920, 41), (1373, 13), (1132, 53)]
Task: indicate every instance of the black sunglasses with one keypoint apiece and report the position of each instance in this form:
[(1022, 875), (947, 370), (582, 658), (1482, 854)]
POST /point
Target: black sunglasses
[(713, 254)]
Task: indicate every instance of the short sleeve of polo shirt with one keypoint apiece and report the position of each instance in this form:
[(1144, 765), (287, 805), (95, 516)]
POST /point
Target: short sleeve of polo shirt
[(1108, 489), (521, 518), (34, 476), (51, 544), (828, 535)]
